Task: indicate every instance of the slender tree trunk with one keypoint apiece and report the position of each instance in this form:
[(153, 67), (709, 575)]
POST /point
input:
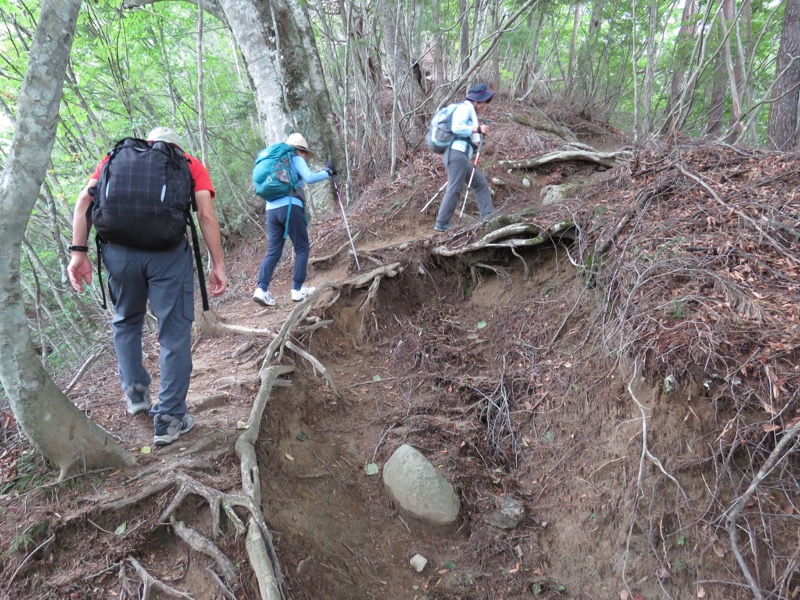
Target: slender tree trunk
[(201, 112), (48, 418), (650, 66), (408, 93), (439, 73), (717, 109), (572, 49), (278, 45), (734, 74), (495, 72), (783, 132), (463, 20), (683, 44)]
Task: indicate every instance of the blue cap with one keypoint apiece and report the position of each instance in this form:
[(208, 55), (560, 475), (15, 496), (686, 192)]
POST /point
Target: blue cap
[(480, 93)]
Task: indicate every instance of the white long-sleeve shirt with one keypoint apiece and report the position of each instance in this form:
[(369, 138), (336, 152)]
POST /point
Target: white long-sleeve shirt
[(465, 119)]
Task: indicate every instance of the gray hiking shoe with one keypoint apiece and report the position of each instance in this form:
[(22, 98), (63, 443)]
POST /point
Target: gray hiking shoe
[(441, 227), (169, 428), (137, 399)]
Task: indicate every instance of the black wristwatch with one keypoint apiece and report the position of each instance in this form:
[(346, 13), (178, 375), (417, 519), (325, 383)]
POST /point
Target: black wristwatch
[(73, 248)]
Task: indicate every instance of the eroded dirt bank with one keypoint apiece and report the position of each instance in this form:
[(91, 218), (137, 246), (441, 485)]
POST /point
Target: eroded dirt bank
[(501, 382), (625, 383)]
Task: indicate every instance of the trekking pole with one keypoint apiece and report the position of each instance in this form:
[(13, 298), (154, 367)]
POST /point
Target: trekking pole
[(347, 226), (469, 185), (434, 197)]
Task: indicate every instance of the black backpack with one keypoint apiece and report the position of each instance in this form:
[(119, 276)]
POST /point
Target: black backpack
[(143, 200)]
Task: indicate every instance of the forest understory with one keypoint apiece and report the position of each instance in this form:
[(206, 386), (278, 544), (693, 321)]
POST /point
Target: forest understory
[(616, 351)]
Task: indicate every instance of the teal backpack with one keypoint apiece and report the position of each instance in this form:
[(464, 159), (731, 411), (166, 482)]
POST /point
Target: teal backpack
[(273, 175)]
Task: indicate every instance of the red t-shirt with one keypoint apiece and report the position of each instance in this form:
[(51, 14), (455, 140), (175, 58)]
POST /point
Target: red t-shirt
[(202, 180)]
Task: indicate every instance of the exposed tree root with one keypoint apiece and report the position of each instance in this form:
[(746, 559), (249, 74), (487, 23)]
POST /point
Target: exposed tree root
[(606, 159), (639, 492), (502, 238), (318, 366), (210, 324), (735, 510), (236, 381), (216, 500), (323, 259), (259, 540), (223, 505), (199, 543), (150, 583)]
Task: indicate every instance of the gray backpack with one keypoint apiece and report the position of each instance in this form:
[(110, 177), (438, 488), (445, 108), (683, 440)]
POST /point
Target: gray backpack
[(440, 134)]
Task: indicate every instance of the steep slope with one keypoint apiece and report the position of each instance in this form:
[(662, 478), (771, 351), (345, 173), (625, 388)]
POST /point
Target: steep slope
[(620, 362)]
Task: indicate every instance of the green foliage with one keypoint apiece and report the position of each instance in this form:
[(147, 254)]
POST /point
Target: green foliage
[(28, 539), (130, 71), (677, 310)]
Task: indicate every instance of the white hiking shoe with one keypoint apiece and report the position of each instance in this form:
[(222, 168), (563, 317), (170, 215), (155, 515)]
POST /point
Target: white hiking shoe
[(137, 399), (263, 298), (301, 294)]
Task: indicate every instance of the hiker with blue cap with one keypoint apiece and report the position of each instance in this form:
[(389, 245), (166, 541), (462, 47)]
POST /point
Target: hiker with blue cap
[(468, 131)]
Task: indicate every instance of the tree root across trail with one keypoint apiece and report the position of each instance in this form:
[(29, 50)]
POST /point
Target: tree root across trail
[(258, 542), (238, 511)]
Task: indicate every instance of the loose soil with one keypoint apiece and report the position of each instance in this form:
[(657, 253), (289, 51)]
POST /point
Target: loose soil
[(498, 366)]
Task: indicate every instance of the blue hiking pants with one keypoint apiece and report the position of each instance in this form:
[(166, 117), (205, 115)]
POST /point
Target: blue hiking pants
[(165, 279), (298, 233), (459, 170)]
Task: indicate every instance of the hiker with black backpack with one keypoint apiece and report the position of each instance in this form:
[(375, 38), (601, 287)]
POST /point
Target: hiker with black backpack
[(139, 200), (279, 176), (468, 133)]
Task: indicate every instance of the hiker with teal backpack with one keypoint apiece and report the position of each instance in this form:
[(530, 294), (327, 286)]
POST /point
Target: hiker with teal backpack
[(139, 200), (279, 178), (467, 134)]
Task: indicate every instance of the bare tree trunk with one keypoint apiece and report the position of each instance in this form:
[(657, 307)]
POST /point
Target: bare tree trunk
[(495, 72), (783, 132), (683, 43), (48, 418), (650, 65), (734, 75), (572, 50), (717, 109), (408, 93), (201, 112), (463, 19), (439, 72), (277, 42), (746, 52)]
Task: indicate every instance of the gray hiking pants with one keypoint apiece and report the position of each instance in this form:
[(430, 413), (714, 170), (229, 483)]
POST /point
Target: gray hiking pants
[(166, 279), (459, 170)]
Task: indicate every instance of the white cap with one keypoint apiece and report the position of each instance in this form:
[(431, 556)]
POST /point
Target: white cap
[(164, 134)]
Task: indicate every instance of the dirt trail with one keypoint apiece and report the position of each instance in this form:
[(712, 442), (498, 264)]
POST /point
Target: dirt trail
[(420, 367), (495, 364)]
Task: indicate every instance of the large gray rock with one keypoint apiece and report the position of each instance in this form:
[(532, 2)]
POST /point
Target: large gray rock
[(419, 490)]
